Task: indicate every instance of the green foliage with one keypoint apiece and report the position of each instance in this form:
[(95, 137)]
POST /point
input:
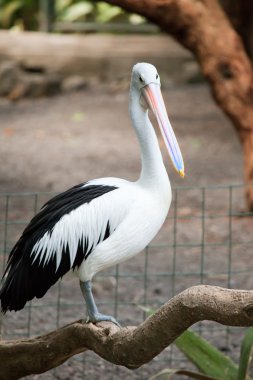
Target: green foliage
[(84, 10), (76, 11), (213, 364), (167, 374), (24, 14), (21, 13), (246, 355), (207, 358), (107, 13)]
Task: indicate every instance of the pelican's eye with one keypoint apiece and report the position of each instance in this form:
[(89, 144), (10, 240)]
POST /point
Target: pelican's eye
[(157, 76), (141, 79)]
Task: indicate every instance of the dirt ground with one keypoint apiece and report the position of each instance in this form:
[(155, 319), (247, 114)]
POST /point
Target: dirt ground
[(50, 144)]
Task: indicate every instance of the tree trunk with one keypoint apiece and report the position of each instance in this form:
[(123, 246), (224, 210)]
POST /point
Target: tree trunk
[(240, 14), (203, 28), (248, 167)]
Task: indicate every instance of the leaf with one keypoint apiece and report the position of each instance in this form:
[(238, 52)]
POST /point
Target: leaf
[(78, 116), (107, 12), (148, 310), (136, 19), (206, 357), (77, 11), (8, 12), (246, 355), (191, 374), (60, 5)]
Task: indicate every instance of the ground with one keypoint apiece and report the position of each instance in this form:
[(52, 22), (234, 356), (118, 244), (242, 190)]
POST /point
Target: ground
[(50, 144)]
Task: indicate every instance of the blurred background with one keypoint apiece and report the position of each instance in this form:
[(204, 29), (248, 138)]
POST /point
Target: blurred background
[(65, 69)]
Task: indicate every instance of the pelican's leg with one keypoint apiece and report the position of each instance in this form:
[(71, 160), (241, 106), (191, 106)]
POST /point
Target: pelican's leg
[(93, 313)]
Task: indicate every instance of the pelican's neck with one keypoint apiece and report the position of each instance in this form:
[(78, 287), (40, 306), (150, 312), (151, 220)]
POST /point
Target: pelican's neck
[(153, 169)]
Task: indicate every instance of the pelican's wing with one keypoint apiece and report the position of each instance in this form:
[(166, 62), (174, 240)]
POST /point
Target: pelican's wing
[(59, 238)]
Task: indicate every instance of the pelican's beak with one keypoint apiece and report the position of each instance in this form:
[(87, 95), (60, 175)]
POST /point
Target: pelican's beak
[(153, 97)]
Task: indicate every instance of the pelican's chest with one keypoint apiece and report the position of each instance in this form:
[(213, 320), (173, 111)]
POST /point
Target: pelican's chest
[(159, 204), (158, 196), (152, 210)]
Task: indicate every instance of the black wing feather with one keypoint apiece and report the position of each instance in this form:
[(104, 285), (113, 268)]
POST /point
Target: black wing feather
[(25, 278)]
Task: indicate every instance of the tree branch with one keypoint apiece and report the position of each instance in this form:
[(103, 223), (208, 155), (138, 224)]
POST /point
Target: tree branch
[(130, 346)]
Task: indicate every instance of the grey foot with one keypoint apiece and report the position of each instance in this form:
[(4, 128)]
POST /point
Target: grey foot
[(93, 314), (98, 317)]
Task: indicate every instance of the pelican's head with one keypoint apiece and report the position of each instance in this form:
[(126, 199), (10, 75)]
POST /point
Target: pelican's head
[(146, 80)]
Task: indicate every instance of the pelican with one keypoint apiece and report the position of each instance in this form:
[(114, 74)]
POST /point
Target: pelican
[(102, 222)]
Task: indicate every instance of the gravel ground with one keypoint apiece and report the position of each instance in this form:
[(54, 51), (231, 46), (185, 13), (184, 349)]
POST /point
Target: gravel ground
[(48, 145)]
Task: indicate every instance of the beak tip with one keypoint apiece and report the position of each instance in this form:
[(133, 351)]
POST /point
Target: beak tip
[(181, 173)]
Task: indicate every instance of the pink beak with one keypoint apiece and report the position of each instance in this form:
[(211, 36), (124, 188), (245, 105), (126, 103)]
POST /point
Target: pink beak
[(153, 97)]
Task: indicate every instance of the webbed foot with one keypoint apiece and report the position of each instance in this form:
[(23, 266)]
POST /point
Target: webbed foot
[(98, 317)]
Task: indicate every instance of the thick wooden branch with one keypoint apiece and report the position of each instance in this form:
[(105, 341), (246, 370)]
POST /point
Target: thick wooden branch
[(129, 346)]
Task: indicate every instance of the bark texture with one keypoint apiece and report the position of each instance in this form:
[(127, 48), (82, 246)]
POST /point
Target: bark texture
[(240, 14), (203, 27), (130, 346)]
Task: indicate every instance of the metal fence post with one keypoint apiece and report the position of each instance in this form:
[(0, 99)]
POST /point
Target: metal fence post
[(47, 15)]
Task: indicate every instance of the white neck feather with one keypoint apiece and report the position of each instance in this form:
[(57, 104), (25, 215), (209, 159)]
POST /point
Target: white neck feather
[(153, 169)]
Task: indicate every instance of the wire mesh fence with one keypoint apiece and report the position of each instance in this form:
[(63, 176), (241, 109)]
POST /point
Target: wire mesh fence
[(206, 239)]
